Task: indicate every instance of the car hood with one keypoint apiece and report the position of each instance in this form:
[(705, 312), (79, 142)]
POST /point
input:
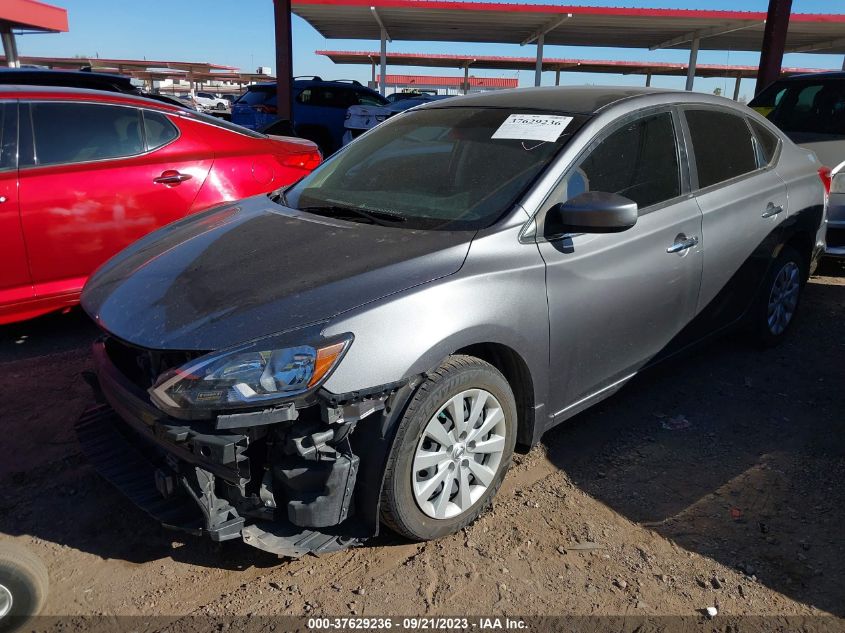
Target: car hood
[(255, 268)]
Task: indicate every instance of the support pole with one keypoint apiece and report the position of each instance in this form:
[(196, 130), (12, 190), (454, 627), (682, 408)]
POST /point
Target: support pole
[(538, 68), (774, 41), (843, 63), (557, 77), (284, 60), (466, 78), (373, 77), (10, 47), (648, 80), (736, 87), (383, 62), (693, 58)]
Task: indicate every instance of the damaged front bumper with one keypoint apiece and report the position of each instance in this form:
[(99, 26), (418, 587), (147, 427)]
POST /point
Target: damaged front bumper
[(283, 480)]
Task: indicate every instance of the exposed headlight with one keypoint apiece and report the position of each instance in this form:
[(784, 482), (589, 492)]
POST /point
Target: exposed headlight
[(243, 377), (837, 183)]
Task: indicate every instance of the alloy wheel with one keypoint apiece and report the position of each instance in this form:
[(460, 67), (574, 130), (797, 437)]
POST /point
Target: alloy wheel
[(783, 298), (459, 454), (5, 601)]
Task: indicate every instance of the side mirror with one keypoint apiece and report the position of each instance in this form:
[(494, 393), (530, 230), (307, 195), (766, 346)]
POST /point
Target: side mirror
[(591, 212)]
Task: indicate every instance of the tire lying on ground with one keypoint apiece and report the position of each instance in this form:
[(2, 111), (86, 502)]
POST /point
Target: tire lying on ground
[(24, 583)]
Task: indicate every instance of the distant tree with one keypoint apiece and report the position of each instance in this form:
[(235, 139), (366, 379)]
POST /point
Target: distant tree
[(717, 92)]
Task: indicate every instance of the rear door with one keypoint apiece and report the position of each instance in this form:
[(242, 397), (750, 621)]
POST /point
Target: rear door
[(742, 200), (617, 300), (100, 177), (15, 281)]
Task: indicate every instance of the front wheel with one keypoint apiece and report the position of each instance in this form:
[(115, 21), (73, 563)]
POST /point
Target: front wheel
[(452, 450), (778, 301)]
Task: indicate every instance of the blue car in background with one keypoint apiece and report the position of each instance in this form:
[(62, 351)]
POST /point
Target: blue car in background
[(319, 108)]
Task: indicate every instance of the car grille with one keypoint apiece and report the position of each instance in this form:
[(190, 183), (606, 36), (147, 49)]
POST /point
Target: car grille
[(143, 366), (835, 238)]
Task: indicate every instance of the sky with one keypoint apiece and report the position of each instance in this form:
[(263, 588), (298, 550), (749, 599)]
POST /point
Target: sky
[(241, 34)]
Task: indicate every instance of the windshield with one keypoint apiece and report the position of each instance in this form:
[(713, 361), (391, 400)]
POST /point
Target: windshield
[(447, 168), (808, 106)]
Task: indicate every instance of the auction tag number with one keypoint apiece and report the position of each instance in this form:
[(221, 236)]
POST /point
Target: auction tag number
[(533, 127)]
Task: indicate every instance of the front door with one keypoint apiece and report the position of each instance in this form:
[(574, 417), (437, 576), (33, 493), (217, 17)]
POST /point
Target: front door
[(616, 300)]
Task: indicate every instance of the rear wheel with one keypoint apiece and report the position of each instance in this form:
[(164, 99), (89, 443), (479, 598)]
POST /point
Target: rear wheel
[(778, 301), (23, 586), (452, 450)]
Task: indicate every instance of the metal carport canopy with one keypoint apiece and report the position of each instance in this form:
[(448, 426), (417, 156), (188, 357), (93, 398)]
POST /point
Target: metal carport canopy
[(649, 69), (491, 62), (28, 15), (572, 25)]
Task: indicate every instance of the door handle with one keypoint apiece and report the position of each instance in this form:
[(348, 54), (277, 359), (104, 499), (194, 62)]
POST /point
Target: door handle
[(772, 210), (682, 244), (171, 177)]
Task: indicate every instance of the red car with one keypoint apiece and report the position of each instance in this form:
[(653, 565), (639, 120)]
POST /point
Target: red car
[(84, 173)]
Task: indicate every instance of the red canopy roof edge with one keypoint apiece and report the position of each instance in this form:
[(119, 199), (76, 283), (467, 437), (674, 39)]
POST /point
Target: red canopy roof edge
[(32, 14), (452, 5), (434, 80), (553, 60)]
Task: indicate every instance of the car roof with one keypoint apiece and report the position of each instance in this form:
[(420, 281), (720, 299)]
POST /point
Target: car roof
[(577, 100), (84, 94), (313, 82), (68, 78), (833, 74)]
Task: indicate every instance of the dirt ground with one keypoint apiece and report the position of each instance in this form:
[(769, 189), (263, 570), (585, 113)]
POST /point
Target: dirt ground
[(739, 503)]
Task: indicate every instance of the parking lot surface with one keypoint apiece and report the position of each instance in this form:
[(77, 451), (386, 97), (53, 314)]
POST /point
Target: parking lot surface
[(715, 480)]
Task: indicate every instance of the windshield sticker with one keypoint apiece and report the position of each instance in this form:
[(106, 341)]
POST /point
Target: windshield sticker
[(533, 127)]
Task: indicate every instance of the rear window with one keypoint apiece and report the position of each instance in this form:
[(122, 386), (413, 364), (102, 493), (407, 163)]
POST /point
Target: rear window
[(731, 156), (226, 125), (265, 95), (816, 107)]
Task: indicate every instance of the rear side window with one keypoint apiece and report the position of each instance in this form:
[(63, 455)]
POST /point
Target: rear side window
[(638, 161), (810, 106), (767, 142), (722, 144), (159, 130), (371, 99), (79, 132)]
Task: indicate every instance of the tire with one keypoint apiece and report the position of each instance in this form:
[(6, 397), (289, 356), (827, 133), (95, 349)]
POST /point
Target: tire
[(219, 106), (777, 305), (24, 583), (413, 501)]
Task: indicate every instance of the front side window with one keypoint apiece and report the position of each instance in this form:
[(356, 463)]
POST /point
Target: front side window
[(638, 161), (722, 144), (67, 132), (443, 168)]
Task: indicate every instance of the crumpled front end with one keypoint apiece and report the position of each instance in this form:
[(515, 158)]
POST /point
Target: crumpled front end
[(284, 479)]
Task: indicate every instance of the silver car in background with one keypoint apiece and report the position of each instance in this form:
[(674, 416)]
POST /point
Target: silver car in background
[(810, 109), (374, 342)]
